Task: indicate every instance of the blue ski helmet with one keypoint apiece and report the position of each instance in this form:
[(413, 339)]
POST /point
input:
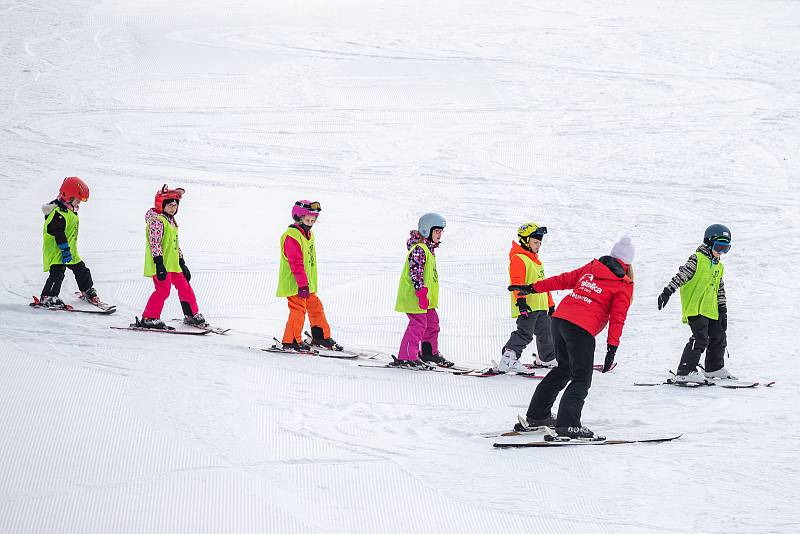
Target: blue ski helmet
[(428, 222)]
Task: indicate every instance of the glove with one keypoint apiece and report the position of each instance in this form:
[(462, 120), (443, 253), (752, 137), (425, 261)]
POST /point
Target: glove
[(161, 271), (663, 298), (610, 352), (303, 292), (185, 270), (723, 317), (422, 296), (522, 290), (66, 254), (524, 309), (551, 311)]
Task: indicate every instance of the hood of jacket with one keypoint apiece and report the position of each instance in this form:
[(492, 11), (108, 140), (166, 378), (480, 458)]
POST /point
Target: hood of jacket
[(415, 237), (516, 248)]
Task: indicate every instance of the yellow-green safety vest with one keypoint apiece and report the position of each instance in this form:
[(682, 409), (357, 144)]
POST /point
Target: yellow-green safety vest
[(287, 284), (51, 254), (699, 295), (169, 249), (407, 301), (533, 273)]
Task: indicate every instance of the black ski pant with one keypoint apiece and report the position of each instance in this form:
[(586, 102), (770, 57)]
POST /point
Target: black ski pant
[(575, 354), (52, 287), (707, 335), (535, 324)]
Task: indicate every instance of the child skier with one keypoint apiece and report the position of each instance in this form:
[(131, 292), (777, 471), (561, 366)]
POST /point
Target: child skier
[(60, 244), (297, 281), (418, 295), (532, 311), (164, 262), (601, 295), (704, 307)]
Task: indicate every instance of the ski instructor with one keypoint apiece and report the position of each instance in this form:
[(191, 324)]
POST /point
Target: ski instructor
[(601, 295)]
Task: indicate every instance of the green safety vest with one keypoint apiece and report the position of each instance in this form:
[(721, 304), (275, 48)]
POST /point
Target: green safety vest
[(699, 295), (287, 283), (407, 301), (51, 254), (533, 273), (169, 249)]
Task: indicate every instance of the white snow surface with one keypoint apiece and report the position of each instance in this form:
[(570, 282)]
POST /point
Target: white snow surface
[(593, 118)]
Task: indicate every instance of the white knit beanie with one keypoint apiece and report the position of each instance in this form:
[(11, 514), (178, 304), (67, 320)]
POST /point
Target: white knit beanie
[(624, 250)]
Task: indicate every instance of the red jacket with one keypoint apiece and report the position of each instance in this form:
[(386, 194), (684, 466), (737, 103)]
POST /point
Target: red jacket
[(599, 297)]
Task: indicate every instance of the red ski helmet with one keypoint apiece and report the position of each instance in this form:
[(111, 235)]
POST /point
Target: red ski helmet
[(73, 188), (164, 195), (305, 207)]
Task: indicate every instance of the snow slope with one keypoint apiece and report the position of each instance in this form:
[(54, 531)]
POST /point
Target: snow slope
[(593, 118)]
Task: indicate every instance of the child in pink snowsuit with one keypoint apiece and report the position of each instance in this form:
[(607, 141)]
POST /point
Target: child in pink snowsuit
[(164, 263), (418, 295)]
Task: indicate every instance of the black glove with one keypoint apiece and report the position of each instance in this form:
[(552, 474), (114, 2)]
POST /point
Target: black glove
[(522, 304), (161, 271), (663, 298), (185, 270), (612, 350), (723, 317), (551, 311), (522, 290)]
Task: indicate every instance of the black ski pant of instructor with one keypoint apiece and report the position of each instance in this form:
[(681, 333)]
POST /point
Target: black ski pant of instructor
[(575, 355), (52, 287)]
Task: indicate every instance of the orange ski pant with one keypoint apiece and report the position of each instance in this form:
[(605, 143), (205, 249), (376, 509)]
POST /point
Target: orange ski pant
[(298, 307)]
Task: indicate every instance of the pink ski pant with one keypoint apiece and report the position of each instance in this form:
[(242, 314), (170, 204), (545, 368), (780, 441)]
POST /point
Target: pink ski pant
[(162, 287), (421, 327)]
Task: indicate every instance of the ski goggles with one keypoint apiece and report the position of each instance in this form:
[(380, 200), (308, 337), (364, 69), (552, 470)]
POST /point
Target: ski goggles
[(313, 206), (539, 233), (721, 246)]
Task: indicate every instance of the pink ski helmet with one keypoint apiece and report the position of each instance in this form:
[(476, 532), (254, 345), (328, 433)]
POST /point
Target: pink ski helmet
[(305, 207)]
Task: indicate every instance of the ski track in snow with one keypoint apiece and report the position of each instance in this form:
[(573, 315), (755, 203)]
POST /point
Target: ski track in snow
[(593, 119)]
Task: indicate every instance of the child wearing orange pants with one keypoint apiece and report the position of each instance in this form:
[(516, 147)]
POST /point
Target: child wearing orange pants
[(297, 281)]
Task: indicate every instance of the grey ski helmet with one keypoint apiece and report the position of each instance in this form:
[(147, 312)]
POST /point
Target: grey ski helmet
[(717, 232), (428, 222)]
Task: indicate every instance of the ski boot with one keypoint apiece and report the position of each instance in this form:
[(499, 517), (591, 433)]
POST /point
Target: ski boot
[(52, 302), (299, 346), (428, 356), (720, 373), (693, 377), (549, 421), (510, 363), (90, 295), (195, 320), (154, 323), (577, 432), (409, 364), (318, 339), (545, 365)]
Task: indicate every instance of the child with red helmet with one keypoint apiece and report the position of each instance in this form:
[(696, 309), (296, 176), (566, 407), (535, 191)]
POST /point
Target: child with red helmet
[(164, 262), (60, 243), (297, 281)]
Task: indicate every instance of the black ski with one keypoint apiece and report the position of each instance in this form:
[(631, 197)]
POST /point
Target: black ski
[(68, 308), (551, 441), (168, 330), (206, 326)]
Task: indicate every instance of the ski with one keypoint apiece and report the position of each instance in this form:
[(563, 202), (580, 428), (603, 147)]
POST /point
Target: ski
[(168, 330), (68, 308), (343, 353), (556, 441), (489, 371), (395, 364), (98, 303), (597, 367), (206, 326), (278, 347), (727, 383)]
